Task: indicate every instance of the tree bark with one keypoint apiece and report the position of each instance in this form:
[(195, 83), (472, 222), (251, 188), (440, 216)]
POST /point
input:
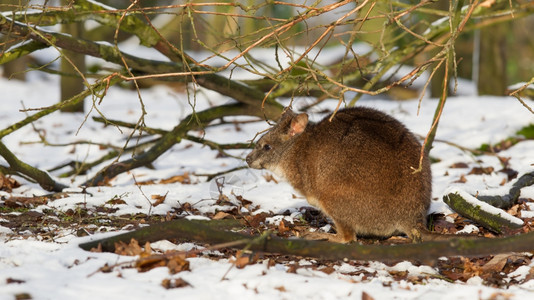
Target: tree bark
[(73, 68), (212, 233), (492, 78), (472, 211), (18, 166)]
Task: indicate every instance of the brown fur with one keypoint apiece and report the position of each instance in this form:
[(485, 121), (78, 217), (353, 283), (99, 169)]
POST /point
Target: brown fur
[(357, 169)]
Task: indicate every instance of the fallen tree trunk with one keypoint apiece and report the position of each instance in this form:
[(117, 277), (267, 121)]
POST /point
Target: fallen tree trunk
[(488, 210), (212, 232), (16, 166), (490, 217)]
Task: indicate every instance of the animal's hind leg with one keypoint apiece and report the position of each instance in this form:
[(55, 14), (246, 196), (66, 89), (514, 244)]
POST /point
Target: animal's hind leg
[(344, 234)]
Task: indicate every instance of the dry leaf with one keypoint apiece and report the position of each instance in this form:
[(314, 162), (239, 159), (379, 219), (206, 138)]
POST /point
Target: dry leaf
[(366, 296), (480, 171), (177, 263), (514, 210), (281, 288), (98, 248), (145, 264), (244, 202), (131, 249), (530, 275), (496, 264), (242, 261), (459, 165), (159, 199), (470, 269), (183, 179), (116, 201), (461, 180), (221, 215), (328, 270), (12, 280), (510, 173), (174, 283), (7, 183), (282, 227), (293, 268), (256, 220), (106, 268), (27, 202)]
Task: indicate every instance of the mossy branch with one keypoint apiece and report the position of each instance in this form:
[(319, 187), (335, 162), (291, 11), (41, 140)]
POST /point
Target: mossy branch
[(18, 166), (20, 51), (213, 233), (474, 211)]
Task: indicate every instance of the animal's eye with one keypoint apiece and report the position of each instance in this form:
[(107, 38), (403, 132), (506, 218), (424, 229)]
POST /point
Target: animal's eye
[(267, 147)]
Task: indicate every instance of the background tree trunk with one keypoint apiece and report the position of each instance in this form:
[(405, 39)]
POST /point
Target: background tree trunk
[(14, 69), (436, 84), (72, 83), (492, 78)]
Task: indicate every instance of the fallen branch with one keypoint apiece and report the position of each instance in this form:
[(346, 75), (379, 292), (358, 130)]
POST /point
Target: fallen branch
[(212, 232), (191, 122), (484, 214), (17, 166), (79, 168), (510, 199)]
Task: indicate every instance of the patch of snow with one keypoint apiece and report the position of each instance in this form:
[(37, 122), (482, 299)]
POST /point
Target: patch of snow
[(470, 228)]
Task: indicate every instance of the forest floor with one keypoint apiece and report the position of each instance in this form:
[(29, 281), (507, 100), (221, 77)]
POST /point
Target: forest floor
[(40, 232)]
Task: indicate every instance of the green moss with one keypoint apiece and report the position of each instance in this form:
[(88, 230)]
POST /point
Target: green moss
[(527, 132), (6, 209)]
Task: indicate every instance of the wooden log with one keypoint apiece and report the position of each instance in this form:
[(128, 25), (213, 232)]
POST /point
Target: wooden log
[(212, 232), (484, 214)]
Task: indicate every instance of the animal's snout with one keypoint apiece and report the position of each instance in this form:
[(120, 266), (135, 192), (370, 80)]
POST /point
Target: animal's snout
[(248, 159)]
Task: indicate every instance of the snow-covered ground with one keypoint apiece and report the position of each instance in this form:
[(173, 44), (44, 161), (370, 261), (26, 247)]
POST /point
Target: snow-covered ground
[(56, 268)]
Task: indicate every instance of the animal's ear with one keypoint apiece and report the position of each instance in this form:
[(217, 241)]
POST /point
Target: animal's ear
[(298, 124)]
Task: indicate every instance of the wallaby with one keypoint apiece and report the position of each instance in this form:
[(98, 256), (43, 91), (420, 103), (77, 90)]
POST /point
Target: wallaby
[(358, 168)]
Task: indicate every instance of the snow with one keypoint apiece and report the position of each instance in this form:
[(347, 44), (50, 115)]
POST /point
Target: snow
[(58, 269)]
